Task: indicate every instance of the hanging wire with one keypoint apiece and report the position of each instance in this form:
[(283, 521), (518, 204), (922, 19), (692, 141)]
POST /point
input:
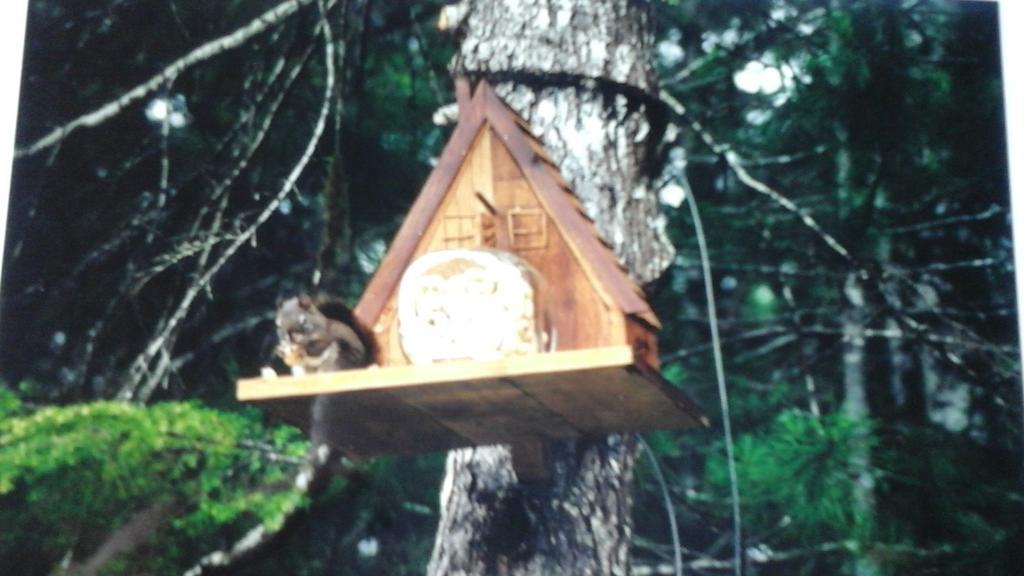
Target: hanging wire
[(669, 509), (723, 395)]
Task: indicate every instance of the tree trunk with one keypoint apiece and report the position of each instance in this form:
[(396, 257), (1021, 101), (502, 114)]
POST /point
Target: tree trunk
[(579, 72), (854, 365), (855, 406)]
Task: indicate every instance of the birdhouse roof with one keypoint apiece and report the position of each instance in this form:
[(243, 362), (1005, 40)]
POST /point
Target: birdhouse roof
[(477, 111)]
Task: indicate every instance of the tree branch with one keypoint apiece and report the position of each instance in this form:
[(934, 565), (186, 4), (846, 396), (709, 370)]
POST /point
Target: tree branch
[(707, 563), (156, 82), (140, 367), (763, 555), (977, 263), (132, 534), (221, 335), (983, 215), (309, 478), (737, 164), (203, 243)]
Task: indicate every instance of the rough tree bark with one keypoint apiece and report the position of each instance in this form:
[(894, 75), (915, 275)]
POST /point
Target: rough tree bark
[(578, 71)]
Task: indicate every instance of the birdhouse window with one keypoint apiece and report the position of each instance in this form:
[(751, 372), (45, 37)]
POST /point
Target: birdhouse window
[(527, 228), (467, 230)]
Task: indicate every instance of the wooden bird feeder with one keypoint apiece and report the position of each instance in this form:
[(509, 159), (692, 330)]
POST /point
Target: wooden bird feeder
[(495, 188)]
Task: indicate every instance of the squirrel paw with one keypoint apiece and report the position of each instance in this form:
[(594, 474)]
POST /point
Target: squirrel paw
[(267, 372)]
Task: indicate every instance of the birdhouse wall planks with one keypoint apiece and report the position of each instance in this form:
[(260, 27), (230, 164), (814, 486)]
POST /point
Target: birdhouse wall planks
[(499, 314)]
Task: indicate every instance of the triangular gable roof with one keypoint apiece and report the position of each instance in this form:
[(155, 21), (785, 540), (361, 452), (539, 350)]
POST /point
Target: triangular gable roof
[(485, 108)]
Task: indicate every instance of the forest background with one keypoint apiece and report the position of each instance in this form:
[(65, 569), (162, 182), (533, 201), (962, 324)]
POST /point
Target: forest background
[(849, 163)]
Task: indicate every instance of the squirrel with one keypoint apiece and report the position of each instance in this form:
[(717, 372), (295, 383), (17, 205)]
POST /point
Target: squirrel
[(321, 335)]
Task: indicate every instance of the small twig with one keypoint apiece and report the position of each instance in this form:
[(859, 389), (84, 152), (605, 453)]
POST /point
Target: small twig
[(899, 334), (272, 454), (177, 20), (763, 269), (984, 215), (709, 563), (944, 266), (748, 335), (221, 335), (771, 346)]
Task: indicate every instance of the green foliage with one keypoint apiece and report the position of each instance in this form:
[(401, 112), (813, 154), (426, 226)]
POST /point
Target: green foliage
[(664, 444), (888, 132), (78, 472), (941, 493), (797, 472), (9, 403)]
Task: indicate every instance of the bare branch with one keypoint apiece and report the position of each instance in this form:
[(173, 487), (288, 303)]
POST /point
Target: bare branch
[(983, 215), (202, 53), (783, 159), (977, 263), (785, 335), (899, 334), (139, 368), (761, 161), (707, 563), (749, 335), (309, 478), (736, 163), (763, 555), (783, 270), (213, 235), (772, 345), (270, 453), (221, 335), (132, 534)]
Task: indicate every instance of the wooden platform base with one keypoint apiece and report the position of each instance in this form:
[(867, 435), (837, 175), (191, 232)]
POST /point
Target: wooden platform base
[(518, 400)]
